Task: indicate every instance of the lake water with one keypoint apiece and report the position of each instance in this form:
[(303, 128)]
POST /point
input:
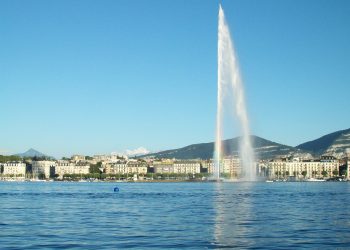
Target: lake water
[(174, 215)]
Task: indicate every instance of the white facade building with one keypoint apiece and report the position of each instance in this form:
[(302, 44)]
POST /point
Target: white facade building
[(65, 167), (47, 168), (187, 167), (125, 167), (163, 166), (230, 166), (14, 169), (325, 167)]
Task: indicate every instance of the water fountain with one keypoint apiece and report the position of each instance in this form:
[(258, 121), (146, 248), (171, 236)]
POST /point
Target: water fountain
[(230, 86)]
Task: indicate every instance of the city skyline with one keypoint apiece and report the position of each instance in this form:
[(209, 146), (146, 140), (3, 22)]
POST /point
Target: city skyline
[(91, 77)]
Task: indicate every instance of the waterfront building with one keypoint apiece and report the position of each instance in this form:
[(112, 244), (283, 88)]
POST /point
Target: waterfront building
[(277, 168), (232, 167), (43, 168), (229, 166), (114, 168), (14, 169), (163, 167), (125, 167), (187, 167), (136, 167), (263, 169), (208, 166), (327, 166), (66, 167)]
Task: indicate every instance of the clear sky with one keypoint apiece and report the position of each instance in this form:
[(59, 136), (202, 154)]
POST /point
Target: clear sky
[(89, 77)]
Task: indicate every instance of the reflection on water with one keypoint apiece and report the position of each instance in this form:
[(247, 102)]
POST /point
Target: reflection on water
[(282, 215), (233, 214)]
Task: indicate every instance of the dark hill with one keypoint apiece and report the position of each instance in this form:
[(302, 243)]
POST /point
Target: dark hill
[(264, 149), (339, 140)]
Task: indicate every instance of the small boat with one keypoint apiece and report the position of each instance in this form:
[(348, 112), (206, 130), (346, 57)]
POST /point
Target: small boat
[(313, 179), (37, 180)]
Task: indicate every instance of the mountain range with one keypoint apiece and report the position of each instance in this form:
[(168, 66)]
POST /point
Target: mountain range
[(336, 144)]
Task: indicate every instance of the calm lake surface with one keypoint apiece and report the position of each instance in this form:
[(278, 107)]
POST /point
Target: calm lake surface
[(174, 215)]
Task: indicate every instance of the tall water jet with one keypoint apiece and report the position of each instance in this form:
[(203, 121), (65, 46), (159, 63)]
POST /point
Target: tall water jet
[(230, 83)]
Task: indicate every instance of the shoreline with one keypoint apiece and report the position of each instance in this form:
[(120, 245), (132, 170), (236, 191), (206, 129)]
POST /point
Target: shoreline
[(171, 181)]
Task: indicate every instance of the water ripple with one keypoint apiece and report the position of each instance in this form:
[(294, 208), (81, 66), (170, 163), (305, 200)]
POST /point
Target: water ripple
[(177, 215)]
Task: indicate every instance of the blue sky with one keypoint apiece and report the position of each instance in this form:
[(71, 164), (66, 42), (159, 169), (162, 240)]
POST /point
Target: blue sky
[(93, 77)]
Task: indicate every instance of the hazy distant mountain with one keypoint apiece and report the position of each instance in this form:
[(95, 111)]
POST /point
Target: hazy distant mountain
[(335, 144), (32, 153), (264, 149)]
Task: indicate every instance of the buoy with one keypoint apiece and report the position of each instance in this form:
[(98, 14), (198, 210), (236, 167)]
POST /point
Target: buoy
[(116, 189)]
